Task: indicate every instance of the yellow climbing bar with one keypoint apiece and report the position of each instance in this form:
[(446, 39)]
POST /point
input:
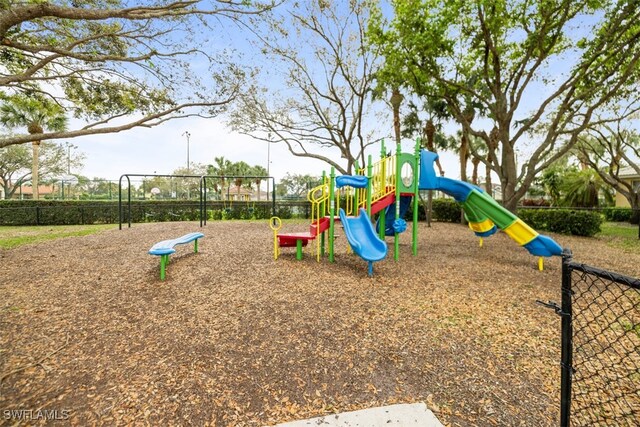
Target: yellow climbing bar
[(383, 181), (275, 223)]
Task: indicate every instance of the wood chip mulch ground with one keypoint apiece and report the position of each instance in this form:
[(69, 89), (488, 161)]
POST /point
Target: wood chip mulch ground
[(233, 337)]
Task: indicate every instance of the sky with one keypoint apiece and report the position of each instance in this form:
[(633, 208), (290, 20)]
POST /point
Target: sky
[(163, 149)]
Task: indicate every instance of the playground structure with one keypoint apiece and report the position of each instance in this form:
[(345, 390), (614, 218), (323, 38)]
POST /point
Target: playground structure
[(388, 188), (353, 200)]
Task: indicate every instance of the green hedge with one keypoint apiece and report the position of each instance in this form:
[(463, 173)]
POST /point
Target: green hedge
[(618, 214), (446, 210), (70, 212), (564, 221)]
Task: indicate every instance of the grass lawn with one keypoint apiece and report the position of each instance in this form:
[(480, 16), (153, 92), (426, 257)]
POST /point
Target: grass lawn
[(621, 235), (14, 236)]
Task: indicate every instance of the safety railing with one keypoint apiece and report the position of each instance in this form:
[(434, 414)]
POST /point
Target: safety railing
[(383, 181), (319, 198)]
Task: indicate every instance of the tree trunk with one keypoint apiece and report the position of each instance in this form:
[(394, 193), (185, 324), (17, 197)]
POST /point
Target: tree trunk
[(509, 178), (474, 174), (464, 143), (635, 214), (430, 132), (396, 100), (34, 169), (487, 181)]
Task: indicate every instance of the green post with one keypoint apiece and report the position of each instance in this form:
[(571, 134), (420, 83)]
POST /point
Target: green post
[(163, 264), (416, 198), (195, 246), (396, 236), (332, 212), (299, 249), (381, 216), (323, 211), (356, 202), (369, 176)]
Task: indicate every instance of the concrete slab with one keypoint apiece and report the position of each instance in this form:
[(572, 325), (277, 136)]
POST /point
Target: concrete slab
[(406, 415)]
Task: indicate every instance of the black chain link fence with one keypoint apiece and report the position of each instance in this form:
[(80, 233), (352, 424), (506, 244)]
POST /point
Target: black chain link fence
[(601, 347)]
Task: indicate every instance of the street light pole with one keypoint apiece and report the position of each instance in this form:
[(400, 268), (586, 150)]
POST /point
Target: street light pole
[(188, 135), (68, 158), (268, 162), (268, 166)]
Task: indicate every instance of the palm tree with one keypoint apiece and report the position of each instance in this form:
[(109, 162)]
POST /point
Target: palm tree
[(222, 168), (258, 171), (36, 114), (240, 170), (582, 187)]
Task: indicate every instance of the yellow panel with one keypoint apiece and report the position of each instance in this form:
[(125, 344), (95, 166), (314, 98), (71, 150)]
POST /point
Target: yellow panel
[(481, 227), (521, 232)]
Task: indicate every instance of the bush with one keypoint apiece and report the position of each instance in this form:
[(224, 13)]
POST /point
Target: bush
[(618, 214), (70, 212), (446, 210), (284, 212), (564, 221)]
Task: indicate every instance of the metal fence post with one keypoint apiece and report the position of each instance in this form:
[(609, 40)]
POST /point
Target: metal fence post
[(567, 341)]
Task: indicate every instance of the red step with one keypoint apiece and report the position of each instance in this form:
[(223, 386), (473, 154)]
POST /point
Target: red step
[(288, 240)]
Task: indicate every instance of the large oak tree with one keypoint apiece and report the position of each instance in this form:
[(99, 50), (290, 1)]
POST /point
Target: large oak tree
[(119, 64), (538, 70)]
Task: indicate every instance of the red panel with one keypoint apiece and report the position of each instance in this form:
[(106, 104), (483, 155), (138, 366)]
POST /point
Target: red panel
[(289, 240), (323, 226)]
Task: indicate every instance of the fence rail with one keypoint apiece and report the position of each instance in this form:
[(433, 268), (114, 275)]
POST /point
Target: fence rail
[(600, 347)]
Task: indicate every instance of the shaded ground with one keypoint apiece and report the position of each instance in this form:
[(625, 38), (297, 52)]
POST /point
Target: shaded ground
[(233, 337)]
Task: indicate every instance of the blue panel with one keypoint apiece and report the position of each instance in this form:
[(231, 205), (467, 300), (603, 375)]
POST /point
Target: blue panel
[(428, 178), (356, 181)]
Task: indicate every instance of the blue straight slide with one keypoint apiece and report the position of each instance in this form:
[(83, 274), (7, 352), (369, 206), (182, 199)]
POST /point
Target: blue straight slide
[(390, 215), (363, 239)]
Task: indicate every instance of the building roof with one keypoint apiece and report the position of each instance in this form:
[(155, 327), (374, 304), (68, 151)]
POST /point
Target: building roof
[(42, 189), (629, 172)]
